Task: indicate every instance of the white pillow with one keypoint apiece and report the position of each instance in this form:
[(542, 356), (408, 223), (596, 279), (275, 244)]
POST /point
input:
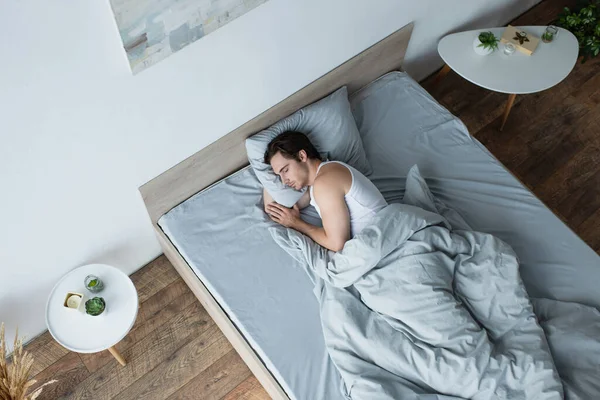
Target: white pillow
[(328, 124)]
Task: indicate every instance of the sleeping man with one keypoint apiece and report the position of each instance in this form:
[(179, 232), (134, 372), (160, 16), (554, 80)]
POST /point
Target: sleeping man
[(344, 198)]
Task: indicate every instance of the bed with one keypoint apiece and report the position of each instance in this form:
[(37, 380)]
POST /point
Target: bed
[(207, 214)]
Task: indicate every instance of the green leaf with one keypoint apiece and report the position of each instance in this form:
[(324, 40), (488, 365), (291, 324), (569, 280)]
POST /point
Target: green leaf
[(488, 40)]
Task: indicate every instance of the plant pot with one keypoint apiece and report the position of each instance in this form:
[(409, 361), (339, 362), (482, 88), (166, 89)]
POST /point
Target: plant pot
[(481, 50), (95, 306), (93, 284)]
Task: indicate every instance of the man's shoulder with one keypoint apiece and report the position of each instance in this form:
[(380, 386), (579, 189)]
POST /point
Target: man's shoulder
[(332, 176)]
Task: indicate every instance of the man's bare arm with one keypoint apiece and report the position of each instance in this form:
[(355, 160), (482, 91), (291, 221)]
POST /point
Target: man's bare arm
[(329, 195), (302, 203), (329, 191), (304, 200), (267, 199)]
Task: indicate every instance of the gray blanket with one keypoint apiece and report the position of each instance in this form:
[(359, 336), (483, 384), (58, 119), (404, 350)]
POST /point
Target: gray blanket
[(412, 309)]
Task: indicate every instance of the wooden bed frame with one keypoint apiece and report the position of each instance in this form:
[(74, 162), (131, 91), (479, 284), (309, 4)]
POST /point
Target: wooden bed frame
[(228, 155)]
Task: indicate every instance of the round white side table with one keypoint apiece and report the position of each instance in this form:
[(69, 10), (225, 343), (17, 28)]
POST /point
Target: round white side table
[(82, 333), (514, 74)]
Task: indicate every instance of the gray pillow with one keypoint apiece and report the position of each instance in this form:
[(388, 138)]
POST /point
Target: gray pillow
[(330, 126)]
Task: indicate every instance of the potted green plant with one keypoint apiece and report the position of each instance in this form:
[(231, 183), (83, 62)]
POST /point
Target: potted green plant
[(485, 43), (584, 22), (95, 306), (547, 37), (93, 283)]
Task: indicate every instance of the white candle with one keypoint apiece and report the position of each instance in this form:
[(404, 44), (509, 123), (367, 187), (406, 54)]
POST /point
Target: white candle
[(73, 301)]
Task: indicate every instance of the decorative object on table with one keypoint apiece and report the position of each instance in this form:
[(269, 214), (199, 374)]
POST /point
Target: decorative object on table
[(509, 48), (73, 300), (584, 22), (521, 37), (14, 377), (485, 43), (549, 34), (152, 30), (95, 306), (524, 41), (93, 283)]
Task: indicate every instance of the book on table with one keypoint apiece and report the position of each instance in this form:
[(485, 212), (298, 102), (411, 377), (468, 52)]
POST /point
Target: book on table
[(524, 41)]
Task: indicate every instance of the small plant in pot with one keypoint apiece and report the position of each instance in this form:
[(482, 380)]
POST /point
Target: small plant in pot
[(485, 43), (95, 306), (93, 284), (547, 37)]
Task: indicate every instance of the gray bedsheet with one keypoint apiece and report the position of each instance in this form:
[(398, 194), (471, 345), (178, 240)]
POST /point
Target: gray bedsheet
[(223, 234), (411, 308)]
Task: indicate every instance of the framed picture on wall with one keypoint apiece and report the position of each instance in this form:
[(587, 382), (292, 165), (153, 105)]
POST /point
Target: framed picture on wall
[(151, 30)]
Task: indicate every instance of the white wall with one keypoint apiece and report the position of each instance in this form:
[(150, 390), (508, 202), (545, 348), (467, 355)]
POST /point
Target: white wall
[(79, 133)]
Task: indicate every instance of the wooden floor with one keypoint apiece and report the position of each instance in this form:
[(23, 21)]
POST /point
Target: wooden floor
[(175, 351)]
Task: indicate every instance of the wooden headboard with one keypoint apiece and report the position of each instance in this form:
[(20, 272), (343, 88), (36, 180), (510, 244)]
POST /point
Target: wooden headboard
[(228, 154)]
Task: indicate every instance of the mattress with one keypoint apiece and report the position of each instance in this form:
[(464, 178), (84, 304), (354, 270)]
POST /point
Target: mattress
[(222, 231)]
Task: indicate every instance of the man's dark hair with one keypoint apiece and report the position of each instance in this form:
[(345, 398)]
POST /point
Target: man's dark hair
[(289, 145)]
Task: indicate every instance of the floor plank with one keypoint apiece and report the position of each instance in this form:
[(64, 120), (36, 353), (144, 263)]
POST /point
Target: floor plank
[(153, 314), (145, 355), (582, 202), (46, 351), (572, 175), (69, 371), (160, 274), (250, 389), (180, 367), (217, 380)]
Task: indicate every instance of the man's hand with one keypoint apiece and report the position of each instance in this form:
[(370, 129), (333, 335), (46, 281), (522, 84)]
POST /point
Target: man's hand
[(287, 217)]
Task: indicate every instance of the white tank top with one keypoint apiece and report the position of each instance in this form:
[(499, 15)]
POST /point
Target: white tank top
[(363, 199)]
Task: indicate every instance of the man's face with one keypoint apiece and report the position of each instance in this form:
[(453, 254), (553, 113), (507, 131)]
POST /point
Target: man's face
[(292, 172)]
